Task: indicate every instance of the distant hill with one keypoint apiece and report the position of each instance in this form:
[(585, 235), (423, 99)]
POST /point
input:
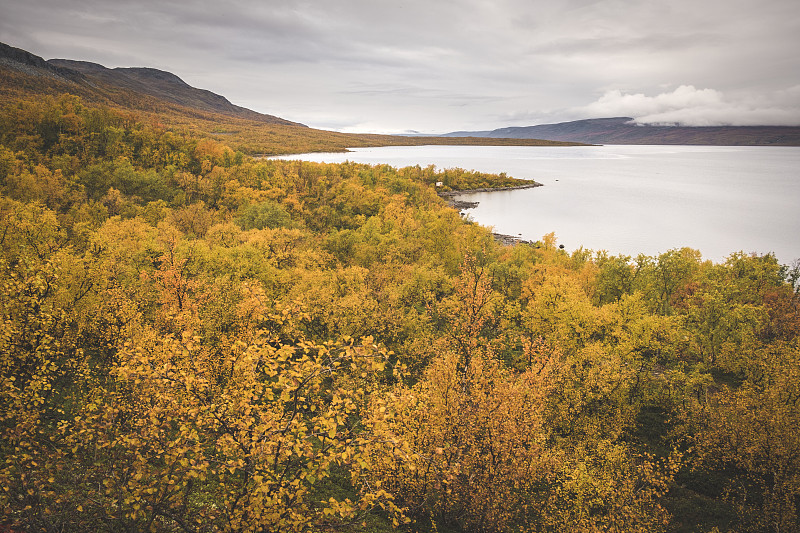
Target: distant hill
[(125, 87), (621, 130)]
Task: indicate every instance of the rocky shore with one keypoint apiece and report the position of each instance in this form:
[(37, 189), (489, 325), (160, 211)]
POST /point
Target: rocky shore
[(454, 202), (509, 240), (453, 194), (461, 204)]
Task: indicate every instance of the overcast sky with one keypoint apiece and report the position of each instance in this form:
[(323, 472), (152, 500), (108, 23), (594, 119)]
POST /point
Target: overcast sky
[(436, 66)]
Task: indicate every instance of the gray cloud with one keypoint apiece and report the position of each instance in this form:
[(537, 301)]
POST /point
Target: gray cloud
[(690, 106), (395, 65)]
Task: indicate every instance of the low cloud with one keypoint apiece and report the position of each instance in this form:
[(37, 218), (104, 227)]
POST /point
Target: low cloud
[(689, 106)]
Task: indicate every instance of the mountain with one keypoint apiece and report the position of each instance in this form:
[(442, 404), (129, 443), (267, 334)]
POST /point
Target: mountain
[(622, 130), (164, 99), (164, 85), (125, 87)]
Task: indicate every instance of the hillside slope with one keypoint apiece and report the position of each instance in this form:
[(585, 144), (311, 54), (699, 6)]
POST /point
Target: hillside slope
[(165, 86), (128, 87)]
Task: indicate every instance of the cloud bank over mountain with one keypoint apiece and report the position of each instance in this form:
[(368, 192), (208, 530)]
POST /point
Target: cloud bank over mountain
[(689, 106)]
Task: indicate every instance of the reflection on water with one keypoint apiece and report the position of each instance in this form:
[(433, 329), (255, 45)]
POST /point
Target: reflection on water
[(630, 199)]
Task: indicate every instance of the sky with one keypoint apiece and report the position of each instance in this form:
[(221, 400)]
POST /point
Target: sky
[(436, 66)]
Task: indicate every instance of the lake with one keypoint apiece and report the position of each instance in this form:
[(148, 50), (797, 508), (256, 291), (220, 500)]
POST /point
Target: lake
[(628, 199)]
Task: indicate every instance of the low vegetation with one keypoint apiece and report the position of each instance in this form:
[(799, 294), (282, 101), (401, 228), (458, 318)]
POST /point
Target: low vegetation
[(193, 340)]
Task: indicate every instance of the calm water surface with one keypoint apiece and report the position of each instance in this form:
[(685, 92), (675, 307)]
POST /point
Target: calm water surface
[(629, 199)]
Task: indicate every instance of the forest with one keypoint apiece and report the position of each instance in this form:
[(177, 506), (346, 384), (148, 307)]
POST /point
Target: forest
[(193, 340)]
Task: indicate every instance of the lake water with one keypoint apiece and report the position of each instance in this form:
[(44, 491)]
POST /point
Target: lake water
[(629, 199)]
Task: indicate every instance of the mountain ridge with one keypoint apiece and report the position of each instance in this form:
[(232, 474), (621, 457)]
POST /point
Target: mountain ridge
[(164, 85), (622, 130), (125, 85)]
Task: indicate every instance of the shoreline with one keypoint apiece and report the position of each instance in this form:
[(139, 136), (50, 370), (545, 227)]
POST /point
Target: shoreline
[(502, 238), (510, 240), (450, 194), (452, 201)]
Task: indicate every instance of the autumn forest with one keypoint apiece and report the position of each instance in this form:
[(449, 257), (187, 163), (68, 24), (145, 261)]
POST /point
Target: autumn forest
[(196, 340)]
